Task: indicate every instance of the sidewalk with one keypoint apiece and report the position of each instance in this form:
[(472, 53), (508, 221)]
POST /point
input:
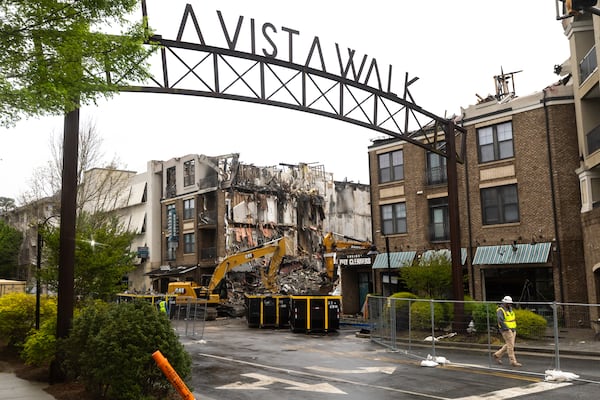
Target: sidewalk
[(14, 388)]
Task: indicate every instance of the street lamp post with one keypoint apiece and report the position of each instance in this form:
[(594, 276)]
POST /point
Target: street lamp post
[(38, 284)]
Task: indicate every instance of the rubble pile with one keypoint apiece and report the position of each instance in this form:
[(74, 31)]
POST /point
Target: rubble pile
[(297, 279), (304, 281)]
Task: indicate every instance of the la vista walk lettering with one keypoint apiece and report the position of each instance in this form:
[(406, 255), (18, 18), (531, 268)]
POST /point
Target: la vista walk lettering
[(266, 40)]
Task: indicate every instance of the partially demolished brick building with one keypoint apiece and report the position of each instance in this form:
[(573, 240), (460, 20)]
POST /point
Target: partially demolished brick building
[(201, 209)]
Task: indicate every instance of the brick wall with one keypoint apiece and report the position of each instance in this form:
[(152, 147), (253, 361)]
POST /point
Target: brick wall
[(536, 176)]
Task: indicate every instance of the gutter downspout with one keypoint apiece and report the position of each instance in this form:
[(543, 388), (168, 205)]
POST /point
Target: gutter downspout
[(553, 197)]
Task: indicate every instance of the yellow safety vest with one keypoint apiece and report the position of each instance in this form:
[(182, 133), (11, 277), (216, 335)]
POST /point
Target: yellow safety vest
[(163, 306), (509, 318)]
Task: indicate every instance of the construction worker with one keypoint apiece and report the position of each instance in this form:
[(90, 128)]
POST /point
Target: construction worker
[(163, 306), (507, 323)]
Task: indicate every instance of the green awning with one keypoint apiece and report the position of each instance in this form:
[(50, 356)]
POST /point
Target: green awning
[(512, 254), (397, 260), (431, 253)]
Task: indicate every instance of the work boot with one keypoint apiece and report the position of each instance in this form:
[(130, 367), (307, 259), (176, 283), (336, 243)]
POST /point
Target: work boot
[(516, 364), (498, 359)]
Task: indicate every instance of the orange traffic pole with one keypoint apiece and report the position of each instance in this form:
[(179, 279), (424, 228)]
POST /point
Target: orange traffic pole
[(172, 376)]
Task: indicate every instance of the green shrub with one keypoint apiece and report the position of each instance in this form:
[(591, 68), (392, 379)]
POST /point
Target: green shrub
[(17, 316), (481, 314), (404, 295), (40, 346), (110, 349), (530, 325), (401, 302), (420, 313), (447, 317)]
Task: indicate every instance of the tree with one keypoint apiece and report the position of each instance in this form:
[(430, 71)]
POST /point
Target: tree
[(46, 180), (55, 58), (10, 243), (431, 277), (102, 256), (6, 204)]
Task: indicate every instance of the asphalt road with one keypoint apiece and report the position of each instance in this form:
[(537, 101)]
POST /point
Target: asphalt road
[(234, 362)]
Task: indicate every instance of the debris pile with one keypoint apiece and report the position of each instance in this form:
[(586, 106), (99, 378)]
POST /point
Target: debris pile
[(304, 281), (294, 279)]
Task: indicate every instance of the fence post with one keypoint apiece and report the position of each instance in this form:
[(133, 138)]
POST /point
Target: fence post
[(393, 323), (431, 306), (409, 324), (555, 328), (489, 332)]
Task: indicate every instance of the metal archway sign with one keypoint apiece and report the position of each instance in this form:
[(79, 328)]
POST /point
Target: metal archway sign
[(358, 95), (361, 94)]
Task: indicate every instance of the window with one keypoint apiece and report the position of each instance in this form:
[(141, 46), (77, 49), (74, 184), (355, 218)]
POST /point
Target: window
[(171, 182), (495, 142), (391, 166), (188, 208), (189, 172), (500, 205), (393, 218), (439, 222), (436, 169), (189, 243)]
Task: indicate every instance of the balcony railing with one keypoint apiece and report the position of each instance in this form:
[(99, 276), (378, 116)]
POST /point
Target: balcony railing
[(588, 64)]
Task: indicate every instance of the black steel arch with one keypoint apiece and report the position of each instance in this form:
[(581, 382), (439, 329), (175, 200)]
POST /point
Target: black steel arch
[(200, 70)]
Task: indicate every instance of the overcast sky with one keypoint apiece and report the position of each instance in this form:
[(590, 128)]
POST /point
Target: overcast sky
[(454, 47)]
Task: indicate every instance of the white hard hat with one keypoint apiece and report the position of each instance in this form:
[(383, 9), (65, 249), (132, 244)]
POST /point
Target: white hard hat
[(507, 300)]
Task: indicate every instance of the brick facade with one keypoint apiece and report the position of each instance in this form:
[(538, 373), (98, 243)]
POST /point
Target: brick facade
[(542, 168)]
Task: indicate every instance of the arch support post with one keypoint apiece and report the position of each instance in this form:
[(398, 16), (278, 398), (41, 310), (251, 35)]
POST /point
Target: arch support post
[(454, 220)]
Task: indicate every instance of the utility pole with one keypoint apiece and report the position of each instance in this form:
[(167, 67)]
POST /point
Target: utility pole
[(66, 256), (454, 220)]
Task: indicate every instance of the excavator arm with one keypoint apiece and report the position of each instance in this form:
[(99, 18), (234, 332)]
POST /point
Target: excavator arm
[(269, 279), (331, 244), (275, 248)]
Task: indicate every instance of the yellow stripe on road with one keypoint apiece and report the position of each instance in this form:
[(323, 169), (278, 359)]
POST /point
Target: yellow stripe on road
[(478, 369)]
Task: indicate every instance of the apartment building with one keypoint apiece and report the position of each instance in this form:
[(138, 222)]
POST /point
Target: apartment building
[(212, 207), (583, 33), (27, 220), (518, 198), (129, 195)]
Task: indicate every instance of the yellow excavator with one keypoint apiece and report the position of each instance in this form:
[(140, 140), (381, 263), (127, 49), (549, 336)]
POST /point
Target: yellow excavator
[(214, 296), (331, 244)]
